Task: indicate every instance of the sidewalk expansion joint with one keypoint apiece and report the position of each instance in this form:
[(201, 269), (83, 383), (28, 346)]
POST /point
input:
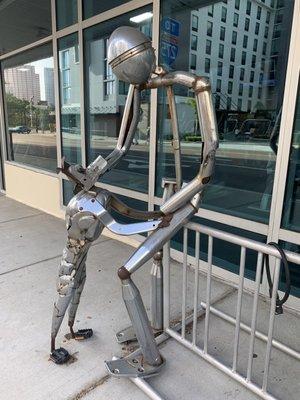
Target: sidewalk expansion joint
[(45, 260), (90, 387), (18, 219)]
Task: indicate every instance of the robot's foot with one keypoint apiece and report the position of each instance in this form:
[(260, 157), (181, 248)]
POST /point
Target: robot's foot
[(60, 356), (132, 368), (83, 334), (126, 335)]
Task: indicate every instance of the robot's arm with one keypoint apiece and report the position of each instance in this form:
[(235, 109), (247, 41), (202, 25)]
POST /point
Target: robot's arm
[(117, 205), (86, 178), (206, 116)]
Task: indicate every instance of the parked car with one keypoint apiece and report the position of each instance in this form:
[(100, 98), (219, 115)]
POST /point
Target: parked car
[(20, 129)]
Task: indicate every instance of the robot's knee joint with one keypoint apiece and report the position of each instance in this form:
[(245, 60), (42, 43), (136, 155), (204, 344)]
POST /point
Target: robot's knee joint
[(123, 273)]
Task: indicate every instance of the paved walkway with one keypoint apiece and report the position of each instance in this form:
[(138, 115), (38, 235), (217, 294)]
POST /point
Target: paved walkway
[(31, 244)]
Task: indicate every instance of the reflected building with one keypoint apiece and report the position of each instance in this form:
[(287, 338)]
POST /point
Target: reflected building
[(239, 45), (49, 86), (23, 82)]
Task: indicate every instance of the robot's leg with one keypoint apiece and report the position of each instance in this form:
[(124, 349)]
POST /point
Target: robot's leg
[(128, 334), (151, 361), (72, 264), (78, 288)]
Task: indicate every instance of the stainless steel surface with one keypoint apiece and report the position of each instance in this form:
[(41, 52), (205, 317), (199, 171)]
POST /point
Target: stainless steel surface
[(176, 137), (184, 281), (132, 59), (158, 238), (156, 294), (94, 207), (275, 343), (254, 314), (271, 324), (132, 368), (208, 292), (192, 342), (126, 335), (239, 308), (196, 288), (131, 55), (140, 323)]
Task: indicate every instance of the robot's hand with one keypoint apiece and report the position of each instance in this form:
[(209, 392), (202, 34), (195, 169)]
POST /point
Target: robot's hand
[(84, 178), (75, 173)]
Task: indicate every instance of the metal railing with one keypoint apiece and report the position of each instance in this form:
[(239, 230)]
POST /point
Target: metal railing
[(207, 308)]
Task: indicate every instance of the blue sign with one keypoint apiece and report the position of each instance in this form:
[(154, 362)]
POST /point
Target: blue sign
[(170, 26), (169, 51), (169, 40)]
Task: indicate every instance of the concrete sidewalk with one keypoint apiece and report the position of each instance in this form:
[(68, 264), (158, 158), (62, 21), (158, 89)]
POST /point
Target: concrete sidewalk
[(31, 245)]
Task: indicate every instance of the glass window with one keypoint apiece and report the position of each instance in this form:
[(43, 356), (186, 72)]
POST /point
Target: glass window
[(23, 22), (243, 59), (268, 17), (243, 180), (69, 83), (66, 13), (264, 49), (237, 4), (209, 28), (219, 85), (195, 21), (208, 46), (267, 31), (94, 7), (245, 41), (242, 74), (255, 43), (234, 37), (193, 64), (221, 50), (232, 54), (224, 14), (247, 24), (257, 28), (258, 15), (248, 9), (194, 42), (220, 68), (291, 207), (207, 65), (230, 85), (30, 112), (231, 71), (210, 11), (235, 19), (241, 89), (250, 91), (105, 101), (253, 61)]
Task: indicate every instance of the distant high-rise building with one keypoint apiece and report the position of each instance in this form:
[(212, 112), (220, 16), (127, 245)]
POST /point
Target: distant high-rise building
[(49, 85), (23, 82)]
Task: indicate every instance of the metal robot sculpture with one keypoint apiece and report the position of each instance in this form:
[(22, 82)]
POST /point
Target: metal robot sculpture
[(132, 59)]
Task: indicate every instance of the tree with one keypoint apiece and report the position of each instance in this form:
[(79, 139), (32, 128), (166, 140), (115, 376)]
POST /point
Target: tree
[(18, 110)]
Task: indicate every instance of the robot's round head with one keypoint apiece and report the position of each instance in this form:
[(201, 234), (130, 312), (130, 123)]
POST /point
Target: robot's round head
[(131, 55)]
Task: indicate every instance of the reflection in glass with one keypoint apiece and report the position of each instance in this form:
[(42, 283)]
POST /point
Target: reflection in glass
[(247, 81), (94, 7), (105, 100), (69, 76), (29, 102), (66, 13), (23, 22), (291, 208)]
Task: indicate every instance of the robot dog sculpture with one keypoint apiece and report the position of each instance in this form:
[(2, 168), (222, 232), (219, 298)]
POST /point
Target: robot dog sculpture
[(132, 59)]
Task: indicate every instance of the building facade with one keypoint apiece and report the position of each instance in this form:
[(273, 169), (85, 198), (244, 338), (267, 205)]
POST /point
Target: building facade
[(250, 51)]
